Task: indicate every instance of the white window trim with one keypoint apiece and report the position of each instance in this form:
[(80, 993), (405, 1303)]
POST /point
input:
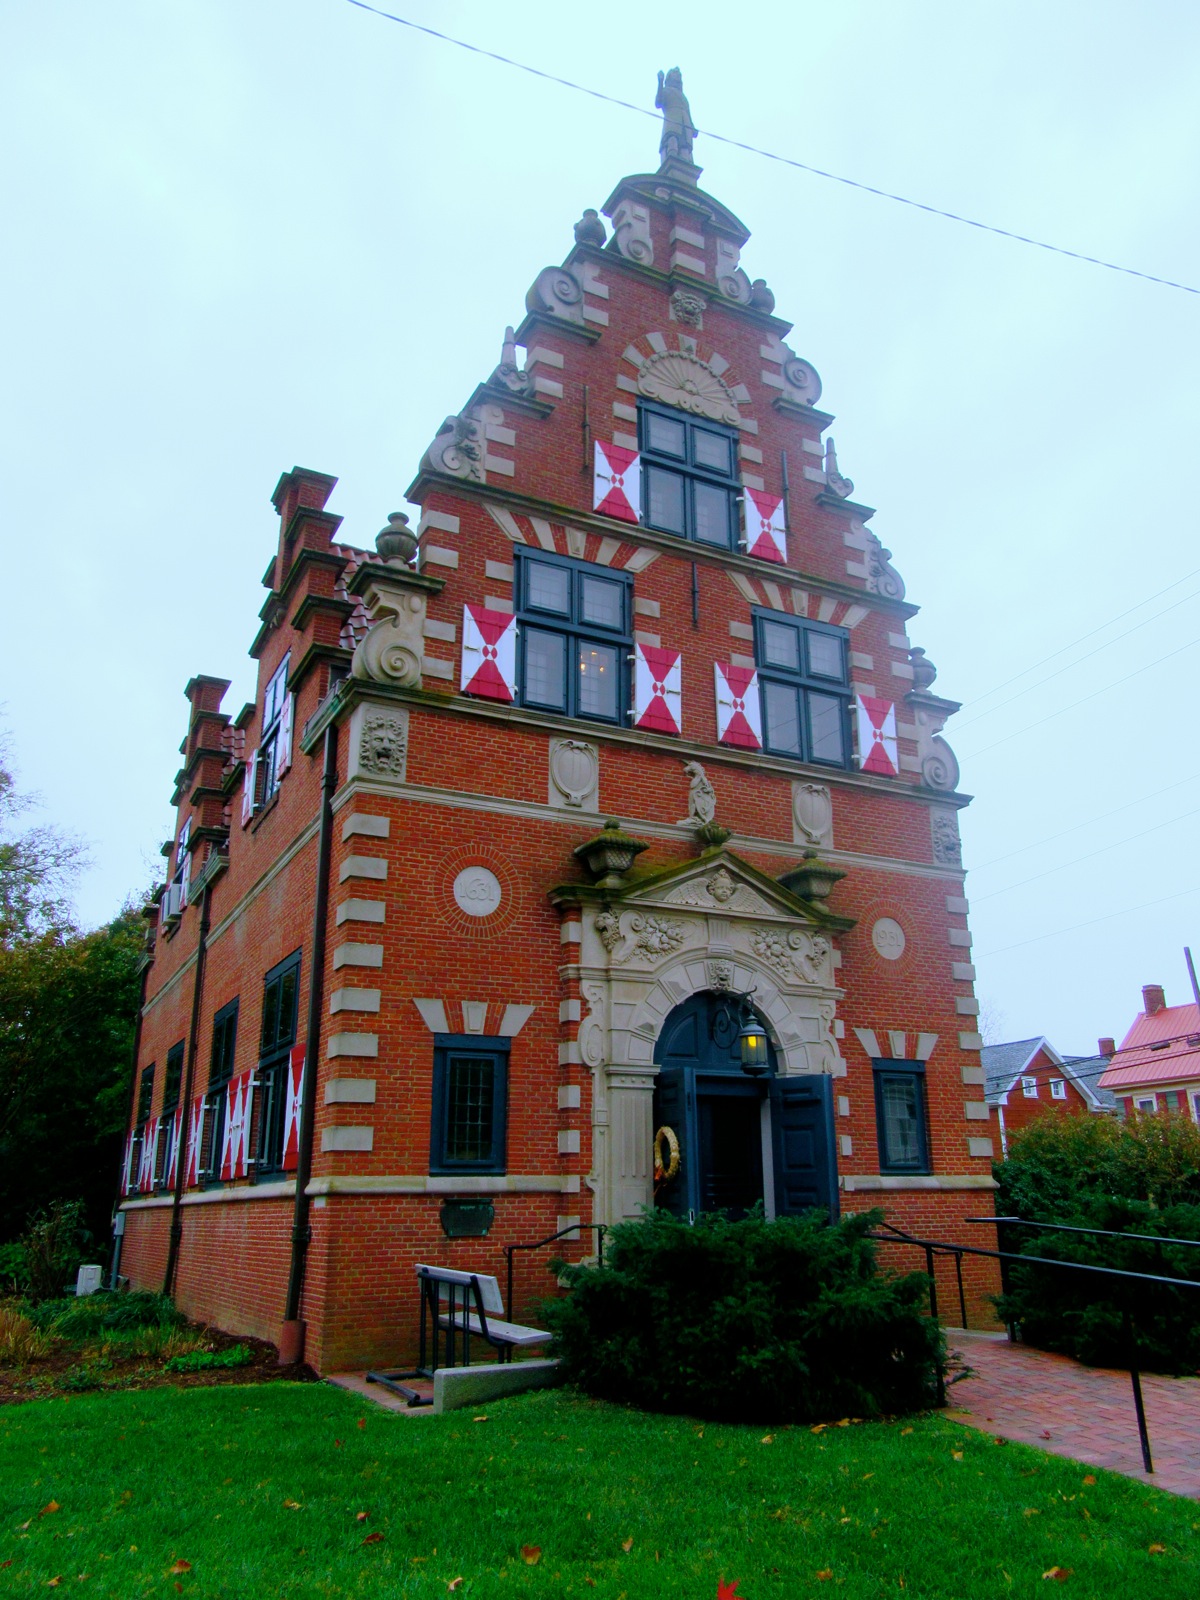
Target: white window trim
[(1029, 1088)]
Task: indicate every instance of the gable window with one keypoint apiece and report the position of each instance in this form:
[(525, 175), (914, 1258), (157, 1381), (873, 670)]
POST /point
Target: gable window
[(1058, 1089), (224, 1048), (575, 636), (470, 1104), (166, 1120), (900, 1119), (689, 476), (804, 680), (281, 996), (1029, 1088)]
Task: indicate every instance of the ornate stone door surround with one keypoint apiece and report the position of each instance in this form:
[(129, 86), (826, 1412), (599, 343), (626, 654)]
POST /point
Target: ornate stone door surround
[(716, 923)]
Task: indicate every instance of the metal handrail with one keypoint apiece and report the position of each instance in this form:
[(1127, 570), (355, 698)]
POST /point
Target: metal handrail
[(1099, 1233), (932, 1246), (598, 1228)]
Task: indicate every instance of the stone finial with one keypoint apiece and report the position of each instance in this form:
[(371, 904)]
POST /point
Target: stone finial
[(812, 879), (610, 854), (924, 671), (842, 487), (761, 297), (589, 229), (508, 375), (396, 542)]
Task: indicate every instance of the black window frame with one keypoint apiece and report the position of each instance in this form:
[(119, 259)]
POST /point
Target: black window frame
[(803, 682), (574, 630), (497, 1050), (222, 1057), (269, 777), (912, 1072), (274, 1055), (172, 1079), (141, 1126), (690, 471)]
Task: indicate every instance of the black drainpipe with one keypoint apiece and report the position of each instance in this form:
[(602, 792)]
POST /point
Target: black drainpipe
[(291, 1338), (119, 1225), (185, 1103)]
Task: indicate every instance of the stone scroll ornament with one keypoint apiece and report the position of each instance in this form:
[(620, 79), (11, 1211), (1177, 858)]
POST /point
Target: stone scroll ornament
[(291, 1109), (877, 749), (489, 654), (766, 536), (657, 689), (617, 482), (739, 718)]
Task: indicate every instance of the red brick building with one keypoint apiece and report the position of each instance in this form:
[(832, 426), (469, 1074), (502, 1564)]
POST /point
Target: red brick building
[(1157, 1068), (1027, 1078), (404, 957)]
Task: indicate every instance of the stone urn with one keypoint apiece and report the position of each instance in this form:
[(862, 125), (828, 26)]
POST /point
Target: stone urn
[(396, 542)]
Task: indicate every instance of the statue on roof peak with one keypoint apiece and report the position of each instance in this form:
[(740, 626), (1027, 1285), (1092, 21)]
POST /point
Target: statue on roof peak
[(678, 128)]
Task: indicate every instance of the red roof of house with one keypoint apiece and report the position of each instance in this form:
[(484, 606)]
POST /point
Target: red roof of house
[(1175, 1031)]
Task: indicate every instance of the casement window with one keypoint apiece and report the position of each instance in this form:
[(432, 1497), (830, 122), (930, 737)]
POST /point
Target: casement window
[(281, 999), (804, 681), (1029, 1088), (175, 897), (689, 476), (224, 1048), (141, 1158), (1058, 1089), (172, 1077), (266, 765), (470, 1104), (900, 1116), (575, 633)]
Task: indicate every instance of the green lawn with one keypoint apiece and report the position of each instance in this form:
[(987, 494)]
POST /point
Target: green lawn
[(261, 1490)]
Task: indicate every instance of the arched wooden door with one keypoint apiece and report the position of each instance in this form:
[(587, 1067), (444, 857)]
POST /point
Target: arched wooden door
[(741, 1139)]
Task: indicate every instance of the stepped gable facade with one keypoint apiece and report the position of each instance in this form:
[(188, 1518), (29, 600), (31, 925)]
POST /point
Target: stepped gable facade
[(544, 806)]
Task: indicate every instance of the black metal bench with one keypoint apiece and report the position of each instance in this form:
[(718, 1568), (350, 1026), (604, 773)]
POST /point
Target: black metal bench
[(455, 1308)]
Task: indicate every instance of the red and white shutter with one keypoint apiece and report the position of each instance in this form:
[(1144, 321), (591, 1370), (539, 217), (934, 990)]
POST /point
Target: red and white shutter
[(489, 653), (291, 1109), (195, 1144), (146, 1165), (766, 537), (127, 1165), (657, 695), (172, 1163), (617, 482), (739, 716), (283, 743), (877, 736), (235, 1147), (183, 862), (249, 781)]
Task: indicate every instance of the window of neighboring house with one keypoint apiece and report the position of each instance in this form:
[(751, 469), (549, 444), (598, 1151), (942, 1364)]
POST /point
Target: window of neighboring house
[(1196, 1105), (1029, 1088), (689, 476), (143, 1134), (574, 636), (470, 1104), (274, 754), (1058, 1088), (804, 679), (224, 1047), (1172, 1099), (1148, 1103), (281, 997), (175, 897), (166, 1120), (900, 1118)]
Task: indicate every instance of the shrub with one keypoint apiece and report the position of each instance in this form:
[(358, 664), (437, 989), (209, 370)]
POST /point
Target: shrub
[(238, 1355), (53, 1247), (104, 1312), (13, 1278), (1137, 1176), (784, 1321), (20, 1341)]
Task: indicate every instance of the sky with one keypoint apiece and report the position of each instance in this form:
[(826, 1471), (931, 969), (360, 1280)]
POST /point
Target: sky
[(246, 236)]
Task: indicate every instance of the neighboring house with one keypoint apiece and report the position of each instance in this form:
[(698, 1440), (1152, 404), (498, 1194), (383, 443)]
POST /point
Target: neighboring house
[(1028, 1078), (642, 589), (1158, 1065)]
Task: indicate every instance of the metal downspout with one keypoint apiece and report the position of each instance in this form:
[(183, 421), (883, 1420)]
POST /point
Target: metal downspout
[(119, 1231), (189, 1078), (291, 1339)]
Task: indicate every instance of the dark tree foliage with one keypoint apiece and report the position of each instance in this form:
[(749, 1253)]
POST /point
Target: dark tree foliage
[(781, 1321), (1137, 1176), (68, 1003)]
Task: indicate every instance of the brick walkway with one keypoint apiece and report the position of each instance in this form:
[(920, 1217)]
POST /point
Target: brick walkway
[(1083, 1412)]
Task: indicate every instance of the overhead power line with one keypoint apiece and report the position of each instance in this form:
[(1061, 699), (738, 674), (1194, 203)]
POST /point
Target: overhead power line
[(1056, 933), (1061, 866), (772, 155)]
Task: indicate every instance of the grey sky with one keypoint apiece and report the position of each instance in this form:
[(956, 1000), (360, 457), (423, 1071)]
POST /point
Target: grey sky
[(243, 236)]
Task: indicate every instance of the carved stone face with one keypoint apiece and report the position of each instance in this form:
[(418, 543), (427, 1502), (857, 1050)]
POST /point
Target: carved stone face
[(383, 747)]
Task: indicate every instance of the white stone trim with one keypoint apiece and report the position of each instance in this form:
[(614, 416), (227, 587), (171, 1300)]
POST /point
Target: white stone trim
[(354, 1000), (514, 1019), (976, 1110), (443, 520), (375, 867), (447, 632), (436, 555), (433, 1015), (351, 1044), (361, 911), (357, 955), (568, 1141), (981, 1147), (541, 356), (368, 823), (569, 1097), (350, 1092), (346, 1139), (875, 1183), (970, 1041)]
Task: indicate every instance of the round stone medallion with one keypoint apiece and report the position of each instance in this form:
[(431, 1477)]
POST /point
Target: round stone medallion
[(888, 938), (477, 892)]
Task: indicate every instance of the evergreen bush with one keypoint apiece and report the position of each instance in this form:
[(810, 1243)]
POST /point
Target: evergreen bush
[(1137, 1176), (781, 1321)]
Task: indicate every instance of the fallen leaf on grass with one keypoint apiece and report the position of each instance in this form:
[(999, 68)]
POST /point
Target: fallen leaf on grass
[(292, 1505), (825, 1572), (1158, 1549), (182, 1566), (1059, 1574), (957, 1454), (455, 1583), (478, 1419), (50, 1506), (375, 1538), (767, 1438), (25, 1525), (4, 1564), (903, 1431), (591, 1582), (531, 1554), (627, 1545), (728, 1591), (362, 1422), (360, 1516), (821, 1426), (53, 1583), (1032, 1511), (1090, 1479)]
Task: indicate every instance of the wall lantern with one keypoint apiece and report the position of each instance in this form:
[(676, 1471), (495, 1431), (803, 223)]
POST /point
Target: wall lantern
[(752, 1046)]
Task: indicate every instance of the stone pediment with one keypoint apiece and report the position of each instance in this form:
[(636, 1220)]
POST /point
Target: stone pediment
[(721, 882)]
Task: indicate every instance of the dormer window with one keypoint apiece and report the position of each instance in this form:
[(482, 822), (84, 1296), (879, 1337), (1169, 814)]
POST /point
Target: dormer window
[(689, 476)]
